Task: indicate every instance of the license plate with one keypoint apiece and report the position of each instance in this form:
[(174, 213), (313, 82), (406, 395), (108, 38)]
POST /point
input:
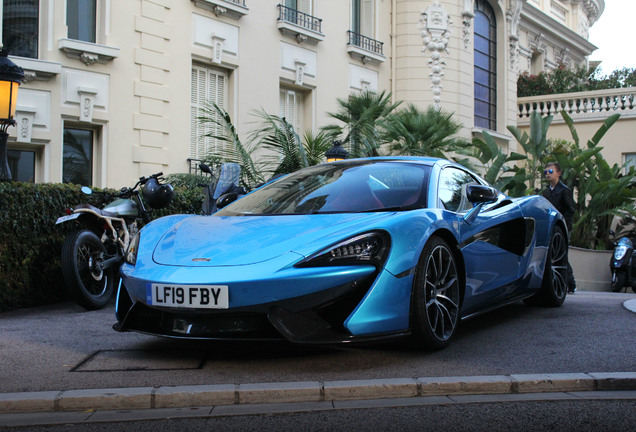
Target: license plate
[(189, 296), (67, 218)]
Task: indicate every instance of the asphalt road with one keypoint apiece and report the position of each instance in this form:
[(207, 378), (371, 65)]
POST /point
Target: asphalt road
[(63, 347)]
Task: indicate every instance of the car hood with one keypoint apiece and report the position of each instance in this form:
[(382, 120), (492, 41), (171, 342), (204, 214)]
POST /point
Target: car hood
[(210, 241)]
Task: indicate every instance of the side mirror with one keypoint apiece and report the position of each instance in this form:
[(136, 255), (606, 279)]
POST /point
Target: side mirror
[(226, 199), (481, 194), (205, 168)]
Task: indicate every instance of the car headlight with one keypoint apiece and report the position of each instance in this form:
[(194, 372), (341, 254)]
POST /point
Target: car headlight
[(133, 248), (620, 252), (369, 248)]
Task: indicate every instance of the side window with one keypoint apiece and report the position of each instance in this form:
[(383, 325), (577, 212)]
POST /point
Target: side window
[(452, 189)]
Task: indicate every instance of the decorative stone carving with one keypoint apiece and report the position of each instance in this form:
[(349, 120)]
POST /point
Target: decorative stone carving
[(89, 58), (217, 48), (435, 24), (24, 122), (563, 57), (467, 17), (219, 10), (513, 16), (87, 102), (300, 71)]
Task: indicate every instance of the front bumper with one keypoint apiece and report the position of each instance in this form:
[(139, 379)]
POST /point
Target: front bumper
[(318, 317)]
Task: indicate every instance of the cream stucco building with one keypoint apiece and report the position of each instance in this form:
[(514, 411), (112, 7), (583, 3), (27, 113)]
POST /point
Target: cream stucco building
[(113, 87)]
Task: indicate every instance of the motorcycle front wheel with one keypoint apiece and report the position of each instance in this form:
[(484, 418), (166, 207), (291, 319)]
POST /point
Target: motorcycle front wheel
[(82, 255), (619, 280)]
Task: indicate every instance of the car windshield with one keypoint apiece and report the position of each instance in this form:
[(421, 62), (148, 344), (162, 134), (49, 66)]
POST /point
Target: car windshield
[(343, 187)]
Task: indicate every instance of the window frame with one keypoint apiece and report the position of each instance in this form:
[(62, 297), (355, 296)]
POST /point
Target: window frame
[(33, 48), (201, 146), (488, 94), (94, 154)]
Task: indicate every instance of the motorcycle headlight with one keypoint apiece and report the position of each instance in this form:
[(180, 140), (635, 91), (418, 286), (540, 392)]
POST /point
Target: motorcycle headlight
[(620, 252), (133, 248), (369, 248)]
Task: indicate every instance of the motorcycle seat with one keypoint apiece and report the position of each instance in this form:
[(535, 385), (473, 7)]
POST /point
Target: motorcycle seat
[(96, 210)]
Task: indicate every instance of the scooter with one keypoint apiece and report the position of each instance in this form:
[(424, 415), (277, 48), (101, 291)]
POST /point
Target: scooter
[(223, 188), (92, 254), (622, 265)]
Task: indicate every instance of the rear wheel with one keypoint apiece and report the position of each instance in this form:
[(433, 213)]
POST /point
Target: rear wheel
[(555, 275), (82, 257), (436, 295)]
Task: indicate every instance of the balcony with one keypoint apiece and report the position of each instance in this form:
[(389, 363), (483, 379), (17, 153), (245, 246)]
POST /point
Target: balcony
[(299, 25), (234, 9), (592, 105), (364, 48)]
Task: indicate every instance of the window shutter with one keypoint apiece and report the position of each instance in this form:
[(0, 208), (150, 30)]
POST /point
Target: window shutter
[(208, 86), (304, 6), (367, 18)]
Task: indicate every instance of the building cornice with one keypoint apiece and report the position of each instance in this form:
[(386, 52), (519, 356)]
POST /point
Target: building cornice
[(534, 20)]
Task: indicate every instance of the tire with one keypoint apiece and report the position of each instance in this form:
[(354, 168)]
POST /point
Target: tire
[(619, 280), (436, 296), (554, 286), (88, 284)]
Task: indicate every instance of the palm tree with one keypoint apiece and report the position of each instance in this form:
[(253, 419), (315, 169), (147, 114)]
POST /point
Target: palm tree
[(413, 132), (362, 115), (235, 151)]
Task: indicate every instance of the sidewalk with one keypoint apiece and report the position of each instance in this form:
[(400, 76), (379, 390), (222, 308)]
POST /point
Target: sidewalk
[(274, 393)]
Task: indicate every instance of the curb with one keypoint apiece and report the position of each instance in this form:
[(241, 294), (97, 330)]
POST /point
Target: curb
[(311, 391)]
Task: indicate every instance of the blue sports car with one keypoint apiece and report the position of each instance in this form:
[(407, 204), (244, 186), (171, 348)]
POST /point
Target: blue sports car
[(356, 250)]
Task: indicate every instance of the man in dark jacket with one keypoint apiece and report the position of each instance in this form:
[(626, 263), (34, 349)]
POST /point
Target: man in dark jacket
[(561, 197)]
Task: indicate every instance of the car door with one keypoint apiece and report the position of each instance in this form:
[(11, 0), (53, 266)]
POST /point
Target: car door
[(491, 244)]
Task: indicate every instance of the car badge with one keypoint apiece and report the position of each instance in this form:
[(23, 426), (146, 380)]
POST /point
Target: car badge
[(200, 259)]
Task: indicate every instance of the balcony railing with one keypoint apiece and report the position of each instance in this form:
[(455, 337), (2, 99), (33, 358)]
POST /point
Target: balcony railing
[(366, 43), (592, 104), (300, 19)]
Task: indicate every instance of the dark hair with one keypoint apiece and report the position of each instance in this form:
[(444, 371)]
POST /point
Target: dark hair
[(556, 165)]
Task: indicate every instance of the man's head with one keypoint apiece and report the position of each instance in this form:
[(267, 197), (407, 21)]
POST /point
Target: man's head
[(552, 172)]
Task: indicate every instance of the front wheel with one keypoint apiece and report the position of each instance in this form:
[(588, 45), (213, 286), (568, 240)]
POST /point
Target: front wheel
[(555, 275), (436, 295), (88, 283), (619, 280)]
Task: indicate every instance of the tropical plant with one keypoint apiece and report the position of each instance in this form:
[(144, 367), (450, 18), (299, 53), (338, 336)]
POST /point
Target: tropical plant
[(411, 131), (234, 151), (535, 147), (362, 115), (602, 192), (499, 168)]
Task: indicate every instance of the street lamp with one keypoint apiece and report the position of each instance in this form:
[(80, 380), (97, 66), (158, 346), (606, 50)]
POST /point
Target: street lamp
[(11, 76), (337, 152)]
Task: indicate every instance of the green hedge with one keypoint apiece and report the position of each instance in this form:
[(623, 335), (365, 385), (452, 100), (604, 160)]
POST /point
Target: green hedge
[(30, 242)]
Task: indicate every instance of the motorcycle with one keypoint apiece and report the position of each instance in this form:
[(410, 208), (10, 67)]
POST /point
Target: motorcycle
[(223, 188), (622, 266), (92, 254)]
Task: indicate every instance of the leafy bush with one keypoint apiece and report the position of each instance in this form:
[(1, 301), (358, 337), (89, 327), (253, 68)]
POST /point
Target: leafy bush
[(30, 242), (565, 80)]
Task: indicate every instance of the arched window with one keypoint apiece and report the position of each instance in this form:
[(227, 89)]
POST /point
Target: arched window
[(485, 66)]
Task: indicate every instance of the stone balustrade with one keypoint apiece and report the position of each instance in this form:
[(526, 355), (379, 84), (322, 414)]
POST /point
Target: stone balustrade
[(592, 105)]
